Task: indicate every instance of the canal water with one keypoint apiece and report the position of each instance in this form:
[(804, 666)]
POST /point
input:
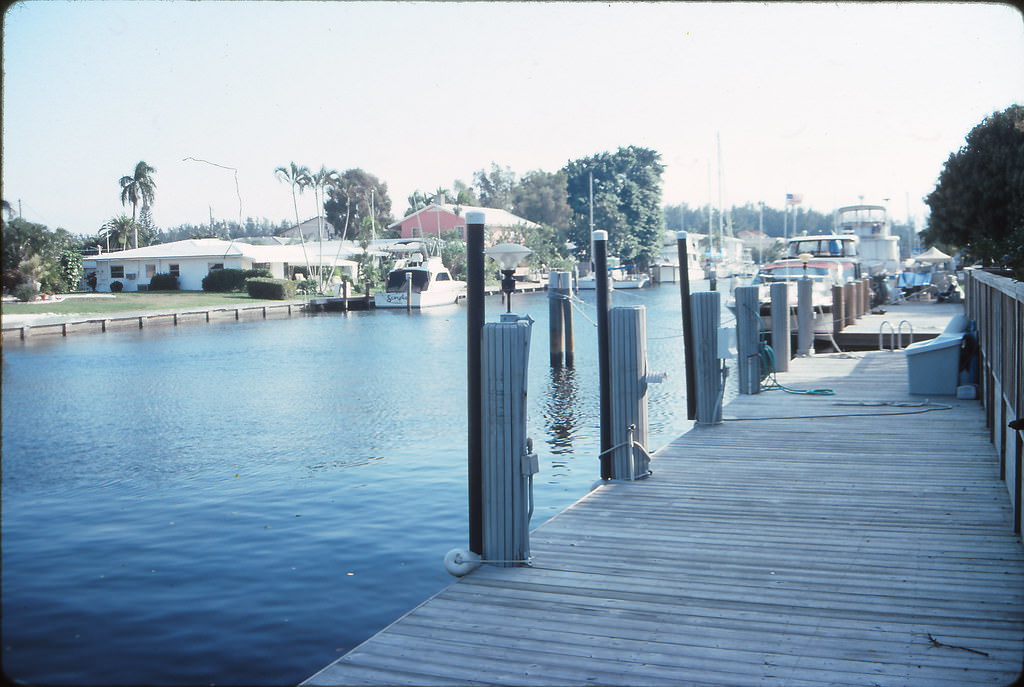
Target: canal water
[(243, 502)]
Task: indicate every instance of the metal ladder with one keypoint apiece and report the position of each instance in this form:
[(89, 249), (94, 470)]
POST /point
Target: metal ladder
[(896, 335)]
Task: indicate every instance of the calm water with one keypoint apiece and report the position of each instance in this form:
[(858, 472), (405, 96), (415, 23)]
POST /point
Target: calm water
[(240, 503)]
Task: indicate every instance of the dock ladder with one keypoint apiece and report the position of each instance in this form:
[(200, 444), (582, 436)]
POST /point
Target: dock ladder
[(895, 335)]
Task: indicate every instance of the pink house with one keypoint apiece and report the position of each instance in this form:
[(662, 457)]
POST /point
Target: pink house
[(436, 219)]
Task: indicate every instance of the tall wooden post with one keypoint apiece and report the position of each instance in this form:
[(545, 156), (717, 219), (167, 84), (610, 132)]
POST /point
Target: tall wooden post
[(600, 254), (474, 395), (684, 299)]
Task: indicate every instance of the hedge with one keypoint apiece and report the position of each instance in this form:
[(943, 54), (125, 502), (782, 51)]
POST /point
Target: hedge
[(230, 279), (163, 281), (271, 289)]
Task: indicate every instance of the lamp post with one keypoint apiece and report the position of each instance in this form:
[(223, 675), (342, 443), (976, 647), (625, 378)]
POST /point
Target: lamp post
[(804, 258), (508, 256)]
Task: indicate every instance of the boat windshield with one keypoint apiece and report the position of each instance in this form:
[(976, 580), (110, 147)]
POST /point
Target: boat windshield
[(823, 247), (789, 273), (396, 280)]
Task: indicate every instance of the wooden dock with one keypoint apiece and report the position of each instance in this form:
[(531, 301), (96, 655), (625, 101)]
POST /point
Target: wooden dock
[(844, 541), (909, 322)]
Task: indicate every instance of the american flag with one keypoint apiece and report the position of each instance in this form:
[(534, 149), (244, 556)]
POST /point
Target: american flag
[(794, 199)]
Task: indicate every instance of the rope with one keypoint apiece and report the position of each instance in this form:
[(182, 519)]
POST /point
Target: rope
[(769, 382)]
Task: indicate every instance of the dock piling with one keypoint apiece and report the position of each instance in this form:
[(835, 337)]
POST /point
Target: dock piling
[(780, 325), (748, 323), (706, 308), (804, 318)]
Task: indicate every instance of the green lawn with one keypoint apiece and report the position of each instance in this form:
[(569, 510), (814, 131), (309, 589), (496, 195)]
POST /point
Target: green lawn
[(146, 300)]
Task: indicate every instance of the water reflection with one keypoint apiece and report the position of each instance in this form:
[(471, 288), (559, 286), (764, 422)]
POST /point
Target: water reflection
[(562, 411)]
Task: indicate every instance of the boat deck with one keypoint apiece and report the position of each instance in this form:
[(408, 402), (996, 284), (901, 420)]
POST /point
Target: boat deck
[(845, 541)]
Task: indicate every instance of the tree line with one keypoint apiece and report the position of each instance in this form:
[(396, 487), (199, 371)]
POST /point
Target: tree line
[(977, 209)]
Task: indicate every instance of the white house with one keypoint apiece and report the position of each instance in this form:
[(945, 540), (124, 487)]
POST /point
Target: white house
[(191, 260)]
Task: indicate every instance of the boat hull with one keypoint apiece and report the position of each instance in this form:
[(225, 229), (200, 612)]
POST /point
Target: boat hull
[(400, 300)]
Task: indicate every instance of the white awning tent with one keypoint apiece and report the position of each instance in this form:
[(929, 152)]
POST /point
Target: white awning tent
[(933, 254)]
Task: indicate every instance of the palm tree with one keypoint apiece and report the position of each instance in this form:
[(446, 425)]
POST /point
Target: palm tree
[(138, 188), (298, 178), (322, 182), (119, 229)]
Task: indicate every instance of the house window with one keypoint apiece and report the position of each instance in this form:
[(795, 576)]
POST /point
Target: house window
[(150, 271), (261, 265), (173, 269), (462, 232), (117, 271), (417, 232), (215, 265)]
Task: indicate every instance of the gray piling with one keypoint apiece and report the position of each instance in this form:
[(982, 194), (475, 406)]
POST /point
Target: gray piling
[(804, 318), (705, 311), (780, 325), (748, 325)]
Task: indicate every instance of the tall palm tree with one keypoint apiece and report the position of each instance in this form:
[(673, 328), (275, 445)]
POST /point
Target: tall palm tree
[(322, 183), (137, 188), (298, 178)]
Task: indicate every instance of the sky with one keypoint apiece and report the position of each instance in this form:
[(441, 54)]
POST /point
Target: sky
[(745, 102)]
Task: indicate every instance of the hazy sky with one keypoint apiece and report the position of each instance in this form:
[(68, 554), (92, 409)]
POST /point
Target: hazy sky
[(831, 101)]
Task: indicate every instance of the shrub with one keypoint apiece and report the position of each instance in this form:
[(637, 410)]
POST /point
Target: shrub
[(11, 280), (231, 279), (222, 281), (271, 289), (26, 292), (116, 287), (163, 281)]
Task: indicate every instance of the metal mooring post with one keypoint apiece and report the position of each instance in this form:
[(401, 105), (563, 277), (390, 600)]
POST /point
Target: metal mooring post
[(600, 254), (474, 332)]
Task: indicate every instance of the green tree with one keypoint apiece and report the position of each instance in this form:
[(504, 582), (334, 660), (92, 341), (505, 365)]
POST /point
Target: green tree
[(136, 188), (70, 262), (542, 197), (354, 197), (627, 203), (36, 248), (978, 201), (494, 188)]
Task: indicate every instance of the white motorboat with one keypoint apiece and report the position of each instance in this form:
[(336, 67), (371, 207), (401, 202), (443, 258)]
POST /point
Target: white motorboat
[(419, 282), (878, 250)]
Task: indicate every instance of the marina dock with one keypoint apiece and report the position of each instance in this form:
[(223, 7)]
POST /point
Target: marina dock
[(863, 537)]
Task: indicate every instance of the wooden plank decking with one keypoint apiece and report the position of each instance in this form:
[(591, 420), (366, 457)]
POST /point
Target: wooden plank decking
[(866, 548)]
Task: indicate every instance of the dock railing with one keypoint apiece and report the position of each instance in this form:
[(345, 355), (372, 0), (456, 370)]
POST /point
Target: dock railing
[(996, 304)]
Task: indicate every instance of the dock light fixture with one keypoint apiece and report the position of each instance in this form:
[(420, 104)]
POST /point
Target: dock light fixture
[(508, 256), (804, 258)]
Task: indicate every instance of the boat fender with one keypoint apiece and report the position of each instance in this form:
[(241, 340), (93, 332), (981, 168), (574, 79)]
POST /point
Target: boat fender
[(459, 562)]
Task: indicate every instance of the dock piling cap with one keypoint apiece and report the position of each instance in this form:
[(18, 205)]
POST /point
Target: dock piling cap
[(600, 235), (474, 217)]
